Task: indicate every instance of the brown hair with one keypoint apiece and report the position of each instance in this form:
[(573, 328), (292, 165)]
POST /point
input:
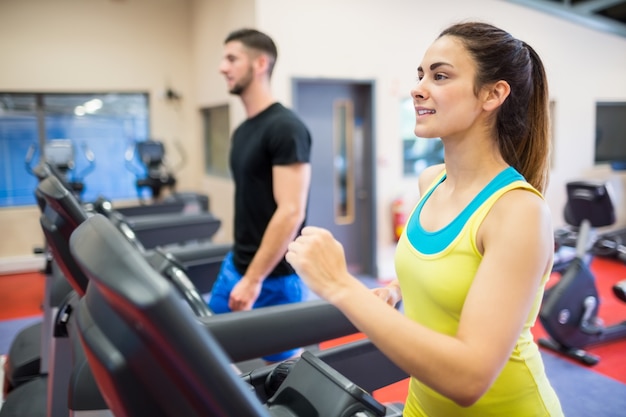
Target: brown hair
[(254, 39), (522, 122)]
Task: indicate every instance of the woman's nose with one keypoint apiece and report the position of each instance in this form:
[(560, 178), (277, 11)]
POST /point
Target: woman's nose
[(418, 91)]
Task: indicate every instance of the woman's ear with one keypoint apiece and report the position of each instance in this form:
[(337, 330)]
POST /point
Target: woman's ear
[(496, 94)]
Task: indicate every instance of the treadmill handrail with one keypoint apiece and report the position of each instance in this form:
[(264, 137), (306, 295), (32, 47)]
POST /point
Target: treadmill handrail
[(255, 333)]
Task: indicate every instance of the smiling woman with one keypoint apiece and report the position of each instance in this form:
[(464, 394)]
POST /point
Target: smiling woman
[(104, 124), (484, 93)]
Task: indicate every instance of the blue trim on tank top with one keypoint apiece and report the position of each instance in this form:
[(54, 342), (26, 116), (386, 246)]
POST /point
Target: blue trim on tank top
[(430, 243)]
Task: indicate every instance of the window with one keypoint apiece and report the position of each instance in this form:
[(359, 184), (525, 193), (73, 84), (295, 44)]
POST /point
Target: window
[(417, 153), (102, 125), (216, 123)]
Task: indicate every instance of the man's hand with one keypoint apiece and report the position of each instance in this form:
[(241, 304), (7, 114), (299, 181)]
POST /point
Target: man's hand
[(244, 294)]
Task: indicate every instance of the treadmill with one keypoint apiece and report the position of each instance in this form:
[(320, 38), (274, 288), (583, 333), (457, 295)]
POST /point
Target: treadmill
[(159, 346), (284, 327), (29, 352)]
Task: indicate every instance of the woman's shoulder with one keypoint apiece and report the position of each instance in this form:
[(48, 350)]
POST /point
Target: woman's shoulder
[(521, 202), (429, 175)]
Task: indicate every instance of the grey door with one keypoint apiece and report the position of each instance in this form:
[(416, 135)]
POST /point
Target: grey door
[(339, 116)]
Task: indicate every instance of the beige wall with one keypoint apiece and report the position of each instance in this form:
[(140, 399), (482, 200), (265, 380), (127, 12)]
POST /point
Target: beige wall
[(72, 45), (212, 21), (92, 46)]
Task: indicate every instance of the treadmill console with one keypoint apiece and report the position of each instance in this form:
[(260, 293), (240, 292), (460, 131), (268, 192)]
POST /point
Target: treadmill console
[(314, 388)]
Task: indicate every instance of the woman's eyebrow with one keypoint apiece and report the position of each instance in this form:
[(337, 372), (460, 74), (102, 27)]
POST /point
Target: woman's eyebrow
[(435, 66)]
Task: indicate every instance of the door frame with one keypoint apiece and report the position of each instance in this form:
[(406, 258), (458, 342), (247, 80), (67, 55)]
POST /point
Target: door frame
[(368, 161)]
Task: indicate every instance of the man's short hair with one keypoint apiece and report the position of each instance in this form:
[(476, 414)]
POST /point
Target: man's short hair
[(254, 39)]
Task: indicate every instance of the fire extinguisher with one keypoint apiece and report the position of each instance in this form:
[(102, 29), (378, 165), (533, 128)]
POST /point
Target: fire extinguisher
[(398, 217)]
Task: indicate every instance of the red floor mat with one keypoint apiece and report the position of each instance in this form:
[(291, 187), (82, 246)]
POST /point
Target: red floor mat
[(21, 295)]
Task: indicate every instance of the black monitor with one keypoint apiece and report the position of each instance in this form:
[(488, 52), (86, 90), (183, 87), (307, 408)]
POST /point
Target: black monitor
[(610, 145)]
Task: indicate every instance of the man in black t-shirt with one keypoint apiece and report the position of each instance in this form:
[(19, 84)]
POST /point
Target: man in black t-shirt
[(269, 160)]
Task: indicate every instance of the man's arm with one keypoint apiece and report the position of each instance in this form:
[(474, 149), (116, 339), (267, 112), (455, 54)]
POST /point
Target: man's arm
[(291, 189)]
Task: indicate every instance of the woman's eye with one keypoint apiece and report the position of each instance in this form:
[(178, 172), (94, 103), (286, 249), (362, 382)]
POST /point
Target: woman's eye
[(440, 77)]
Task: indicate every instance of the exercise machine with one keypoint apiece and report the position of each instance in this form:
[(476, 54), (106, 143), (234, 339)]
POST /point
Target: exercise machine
[(27, 355), (317, 321), (34, 396), (164, 229), (59, 159), (155, 175), (46, 394), (166, 363), (155, 225), (569, 312), (200, 261), (612, 245)]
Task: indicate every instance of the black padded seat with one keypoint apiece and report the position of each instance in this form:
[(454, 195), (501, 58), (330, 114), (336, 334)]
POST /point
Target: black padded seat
[(589, 201)]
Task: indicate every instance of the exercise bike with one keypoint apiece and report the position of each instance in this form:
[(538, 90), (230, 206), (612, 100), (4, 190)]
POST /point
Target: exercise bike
[(569, 312)]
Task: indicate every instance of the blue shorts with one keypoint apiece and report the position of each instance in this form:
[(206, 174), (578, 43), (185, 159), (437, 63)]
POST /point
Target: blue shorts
[(274, 291)]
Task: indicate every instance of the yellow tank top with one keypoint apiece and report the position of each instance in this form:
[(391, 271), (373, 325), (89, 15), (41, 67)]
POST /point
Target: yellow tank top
[(435, 271)]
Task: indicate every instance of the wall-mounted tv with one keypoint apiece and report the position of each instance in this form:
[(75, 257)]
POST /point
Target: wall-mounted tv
[(611, 134)]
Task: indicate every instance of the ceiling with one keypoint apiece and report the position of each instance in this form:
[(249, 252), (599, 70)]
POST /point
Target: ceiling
[(604, 15)]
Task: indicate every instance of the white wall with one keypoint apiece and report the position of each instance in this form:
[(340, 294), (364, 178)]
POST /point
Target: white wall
[(384, 41), (73, 45)]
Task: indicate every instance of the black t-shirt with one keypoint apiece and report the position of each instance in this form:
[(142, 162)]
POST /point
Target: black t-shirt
[(276, 136)]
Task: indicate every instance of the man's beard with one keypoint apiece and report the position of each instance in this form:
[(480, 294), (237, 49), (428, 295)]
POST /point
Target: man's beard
[(242, 85)]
